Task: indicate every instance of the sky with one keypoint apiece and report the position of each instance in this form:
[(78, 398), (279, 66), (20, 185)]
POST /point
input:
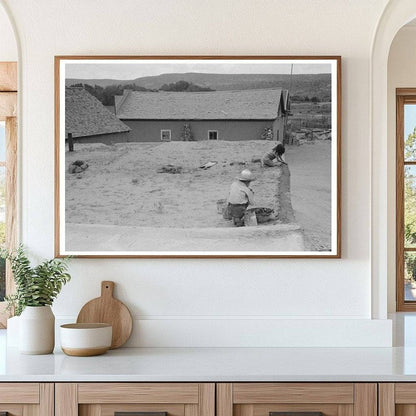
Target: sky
[(126, 70), (409, 119)]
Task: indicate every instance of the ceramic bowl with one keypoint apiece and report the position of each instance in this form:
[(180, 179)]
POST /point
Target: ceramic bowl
[(84, 340)]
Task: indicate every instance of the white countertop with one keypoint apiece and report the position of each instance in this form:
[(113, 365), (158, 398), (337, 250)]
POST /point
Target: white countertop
[(213, 364)]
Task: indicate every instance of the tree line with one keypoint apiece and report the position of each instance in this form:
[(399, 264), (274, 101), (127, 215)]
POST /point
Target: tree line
[(306, 98), (106, 94), (183, 86)]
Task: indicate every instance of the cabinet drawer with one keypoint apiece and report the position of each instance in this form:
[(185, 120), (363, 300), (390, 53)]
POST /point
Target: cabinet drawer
[(143, 409), (21, 399), (19, 393), (296, 399), (107, 399), (138, 393)]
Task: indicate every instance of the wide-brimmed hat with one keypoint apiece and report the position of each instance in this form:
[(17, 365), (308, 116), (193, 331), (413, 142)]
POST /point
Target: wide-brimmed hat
[(246, 176)]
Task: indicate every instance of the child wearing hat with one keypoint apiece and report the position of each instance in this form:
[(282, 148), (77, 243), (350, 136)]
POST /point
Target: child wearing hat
[(240, 197)]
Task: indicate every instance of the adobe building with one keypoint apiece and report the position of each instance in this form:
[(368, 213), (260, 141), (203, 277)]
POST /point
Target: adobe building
[(216, 115)]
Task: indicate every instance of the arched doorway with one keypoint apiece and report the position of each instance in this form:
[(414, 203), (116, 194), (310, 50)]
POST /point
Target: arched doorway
[(396, 14)]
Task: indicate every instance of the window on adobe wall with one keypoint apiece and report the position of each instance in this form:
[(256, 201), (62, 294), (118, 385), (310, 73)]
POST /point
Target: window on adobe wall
[(166, 135), (212, 134), (406, 199)]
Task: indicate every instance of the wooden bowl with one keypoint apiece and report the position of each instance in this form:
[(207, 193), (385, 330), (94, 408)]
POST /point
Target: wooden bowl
[(85, 340)]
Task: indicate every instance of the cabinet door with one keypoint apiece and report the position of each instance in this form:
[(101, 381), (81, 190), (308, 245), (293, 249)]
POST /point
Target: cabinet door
[(145, 399), (26, 399), (297, 399), (397, 399)]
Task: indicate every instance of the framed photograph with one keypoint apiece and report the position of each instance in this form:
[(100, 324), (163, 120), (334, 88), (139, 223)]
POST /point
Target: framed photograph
[(198, 156)]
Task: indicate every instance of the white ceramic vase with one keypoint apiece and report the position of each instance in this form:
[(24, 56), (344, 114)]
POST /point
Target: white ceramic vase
[(37, 330)]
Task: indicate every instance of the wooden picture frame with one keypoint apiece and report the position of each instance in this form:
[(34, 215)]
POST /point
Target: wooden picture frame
[(121, 104)]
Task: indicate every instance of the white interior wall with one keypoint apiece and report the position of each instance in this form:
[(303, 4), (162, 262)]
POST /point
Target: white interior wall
[(183, 300), (8, 47), (401, 74)]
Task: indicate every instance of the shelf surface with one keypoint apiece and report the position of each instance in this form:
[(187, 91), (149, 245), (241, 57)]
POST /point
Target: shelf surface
[(213, 365)]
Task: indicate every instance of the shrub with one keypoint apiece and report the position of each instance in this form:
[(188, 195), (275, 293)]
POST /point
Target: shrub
[(35, 286)]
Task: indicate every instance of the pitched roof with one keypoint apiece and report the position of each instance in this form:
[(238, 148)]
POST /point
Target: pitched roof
[(216, 105), (86, 116)]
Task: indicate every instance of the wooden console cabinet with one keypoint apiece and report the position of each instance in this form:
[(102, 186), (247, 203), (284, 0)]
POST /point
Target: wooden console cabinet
[(27, 399), (208, 399)]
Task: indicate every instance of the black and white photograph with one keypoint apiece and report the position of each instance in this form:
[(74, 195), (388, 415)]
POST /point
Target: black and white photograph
[(198, 156)]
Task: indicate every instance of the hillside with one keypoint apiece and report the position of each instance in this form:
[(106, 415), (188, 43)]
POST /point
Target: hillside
[(318, 85)]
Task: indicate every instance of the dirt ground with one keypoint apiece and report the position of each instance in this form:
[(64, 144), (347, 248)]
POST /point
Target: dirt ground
[(122, 185)]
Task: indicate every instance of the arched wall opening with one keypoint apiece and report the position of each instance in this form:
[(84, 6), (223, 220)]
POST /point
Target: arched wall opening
[(401, 73), (397, 14)]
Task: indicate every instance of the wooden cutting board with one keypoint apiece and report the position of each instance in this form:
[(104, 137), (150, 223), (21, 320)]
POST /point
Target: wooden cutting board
[(107, 309)]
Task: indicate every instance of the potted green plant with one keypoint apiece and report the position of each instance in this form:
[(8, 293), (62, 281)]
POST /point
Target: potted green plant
[(36, 289)]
